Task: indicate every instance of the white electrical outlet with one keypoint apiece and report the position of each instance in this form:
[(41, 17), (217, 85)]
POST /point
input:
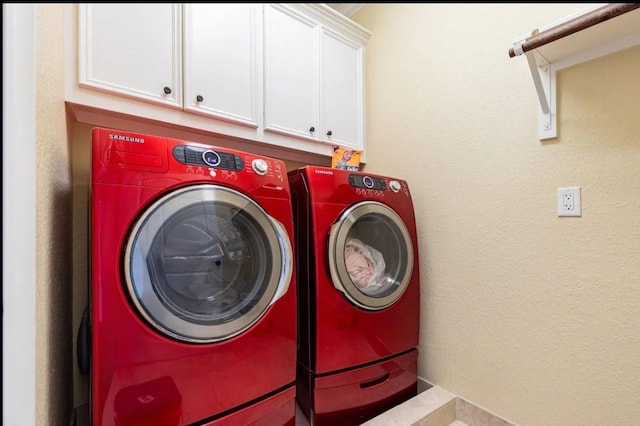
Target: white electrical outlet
[(569, 201)]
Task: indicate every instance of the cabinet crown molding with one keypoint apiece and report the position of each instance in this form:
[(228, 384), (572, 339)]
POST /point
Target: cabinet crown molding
[(331, 18)]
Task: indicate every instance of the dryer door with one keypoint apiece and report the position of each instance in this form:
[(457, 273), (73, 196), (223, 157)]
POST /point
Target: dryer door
[(370, 255), (205, 262)]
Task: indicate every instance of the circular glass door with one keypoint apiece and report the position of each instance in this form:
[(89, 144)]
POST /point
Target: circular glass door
[(204, 263), (370, 255)]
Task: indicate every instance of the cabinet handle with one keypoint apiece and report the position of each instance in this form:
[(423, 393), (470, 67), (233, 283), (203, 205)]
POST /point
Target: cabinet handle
[(329, 133), (312, 129), (167, 90), (199, 98)]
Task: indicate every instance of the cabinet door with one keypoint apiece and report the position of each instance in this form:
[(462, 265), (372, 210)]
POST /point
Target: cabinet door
[(342, 92), (132, 50), (291, 73), (221, 60)]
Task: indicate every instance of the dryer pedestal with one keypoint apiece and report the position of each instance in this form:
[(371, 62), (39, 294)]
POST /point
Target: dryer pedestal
[(278, 409), (354, 396)]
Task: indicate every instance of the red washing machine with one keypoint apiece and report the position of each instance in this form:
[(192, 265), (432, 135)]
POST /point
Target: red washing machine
[(192, 310), (358, 294)]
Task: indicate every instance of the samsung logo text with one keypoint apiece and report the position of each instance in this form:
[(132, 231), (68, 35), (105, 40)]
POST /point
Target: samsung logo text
[(125, 138)]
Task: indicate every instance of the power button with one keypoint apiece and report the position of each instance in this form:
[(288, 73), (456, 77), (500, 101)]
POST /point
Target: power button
[(367, 182), (259, 166), (211, 158)]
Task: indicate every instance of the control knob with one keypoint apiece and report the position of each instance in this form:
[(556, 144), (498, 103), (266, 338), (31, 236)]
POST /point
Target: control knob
[(259, 166), (368, 182), (211, 158)]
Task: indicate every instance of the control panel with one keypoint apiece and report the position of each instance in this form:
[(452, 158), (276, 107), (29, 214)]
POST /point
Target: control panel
[(367, 182), (197, 156)]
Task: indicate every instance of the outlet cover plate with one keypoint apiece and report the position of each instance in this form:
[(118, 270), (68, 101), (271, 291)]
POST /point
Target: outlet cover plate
[(569, 201)]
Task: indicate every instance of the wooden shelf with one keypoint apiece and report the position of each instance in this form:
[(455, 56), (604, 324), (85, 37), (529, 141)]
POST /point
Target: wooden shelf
[(614, 30)]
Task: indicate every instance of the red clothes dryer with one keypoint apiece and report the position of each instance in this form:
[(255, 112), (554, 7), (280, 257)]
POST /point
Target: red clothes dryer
[(358, 294), (192, 298)]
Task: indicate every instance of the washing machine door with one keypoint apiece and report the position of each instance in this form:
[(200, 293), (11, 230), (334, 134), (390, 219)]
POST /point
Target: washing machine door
[(204, 263), (370, 255)]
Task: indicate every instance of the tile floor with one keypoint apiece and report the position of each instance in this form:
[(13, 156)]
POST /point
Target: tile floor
[(301, 419), (437, 407)]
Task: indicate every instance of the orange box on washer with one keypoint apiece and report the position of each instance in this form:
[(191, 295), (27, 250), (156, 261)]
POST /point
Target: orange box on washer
[(345, 159)]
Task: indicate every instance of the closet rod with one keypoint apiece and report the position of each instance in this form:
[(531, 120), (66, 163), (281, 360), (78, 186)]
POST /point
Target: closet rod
[(573, 26)]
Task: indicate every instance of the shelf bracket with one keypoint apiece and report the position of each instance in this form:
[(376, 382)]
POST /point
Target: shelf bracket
[(544, 80)]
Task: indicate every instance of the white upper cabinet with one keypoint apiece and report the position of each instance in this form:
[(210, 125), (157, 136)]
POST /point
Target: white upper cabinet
[(258, 76), (342, 91), (221, 60), (132, 50), (291, 72), (313, 76)]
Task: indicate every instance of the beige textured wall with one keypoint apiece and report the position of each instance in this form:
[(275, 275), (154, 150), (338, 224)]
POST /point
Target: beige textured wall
[(531, 316), (53, 229)]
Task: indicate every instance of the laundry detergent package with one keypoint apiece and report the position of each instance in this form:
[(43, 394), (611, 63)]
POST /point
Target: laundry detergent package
[(345, 159)]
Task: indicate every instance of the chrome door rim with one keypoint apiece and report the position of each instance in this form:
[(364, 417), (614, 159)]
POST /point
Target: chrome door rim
[(337, 265), (150, 306)]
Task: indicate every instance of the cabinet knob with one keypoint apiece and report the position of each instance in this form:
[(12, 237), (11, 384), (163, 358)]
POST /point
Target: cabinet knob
[(312, 129), (167, 90), (329, 133), (199, 98)]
